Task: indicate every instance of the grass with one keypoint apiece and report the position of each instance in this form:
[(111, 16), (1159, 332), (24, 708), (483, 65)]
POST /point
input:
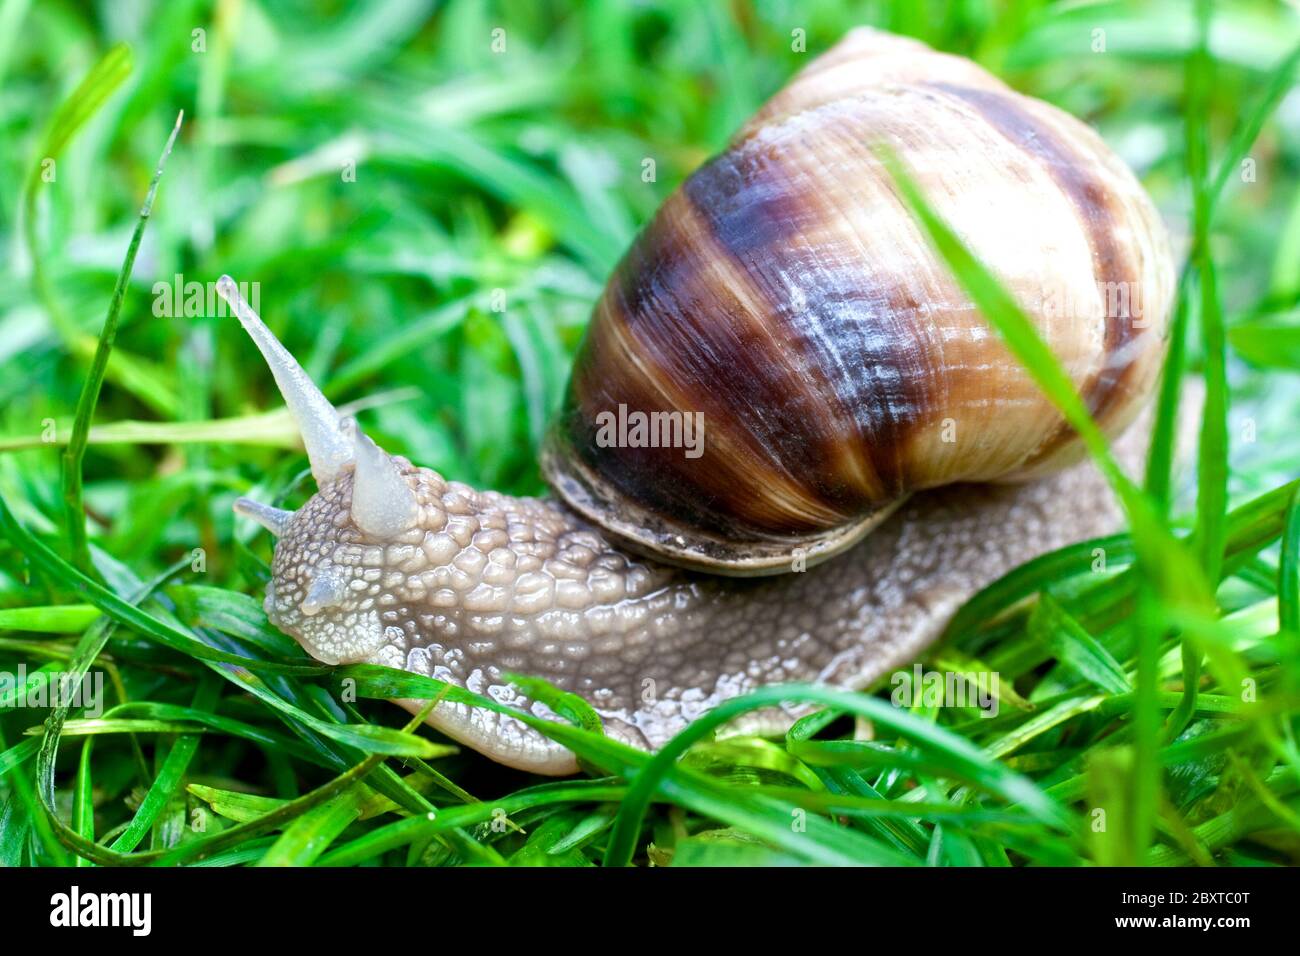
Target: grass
[(1148, 713)]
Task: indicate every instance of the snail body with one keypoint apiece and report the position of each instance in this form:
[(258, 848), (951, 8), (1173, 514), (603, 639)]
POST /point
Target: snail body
[(784, 299)]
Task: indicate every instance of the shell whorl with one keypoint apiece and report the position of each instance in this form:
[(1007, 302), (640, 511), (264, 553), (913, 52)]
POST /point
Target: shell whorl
[(785, 294)]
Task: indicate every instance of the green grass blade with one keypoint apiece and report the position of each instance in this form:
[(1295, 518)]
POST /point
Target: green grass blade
[(1280, 82), (90, 646), (83, 798), (1034, 576), (1161, 452), (125, 613), (952, 750), (1212, 461), (309, 836), (58, 619), (1273, 342), (1076, 648), (1288, 580), (1212, 484), (73, 455), (98, 85), (170, 776)]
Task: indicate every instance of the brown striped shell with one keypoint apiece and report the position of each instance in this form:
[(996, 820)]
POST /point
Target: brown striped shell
[(785, 299)]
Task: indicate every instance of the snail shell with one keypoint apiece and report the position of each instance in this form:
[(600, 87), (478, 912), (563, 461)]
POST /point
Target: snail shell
[(785, 298)]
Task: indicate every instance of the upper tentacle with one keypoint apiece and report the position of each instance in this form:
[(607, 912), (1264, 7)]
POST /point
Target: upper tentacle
[(328, 446)]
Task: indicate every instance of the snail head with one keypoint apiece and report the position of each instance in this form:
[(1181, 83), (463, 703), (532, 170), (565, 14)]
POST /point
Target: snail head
[(331, 575)]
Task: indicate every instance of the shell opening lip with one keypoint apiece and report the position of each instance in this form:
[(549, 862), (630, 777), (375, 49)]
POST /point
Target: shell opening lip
[(660, 538)]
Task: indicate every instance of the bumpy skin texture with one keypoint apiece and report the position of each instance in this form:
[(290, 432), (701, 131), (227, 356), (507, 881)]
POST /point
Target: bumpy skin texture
[(485, 583)]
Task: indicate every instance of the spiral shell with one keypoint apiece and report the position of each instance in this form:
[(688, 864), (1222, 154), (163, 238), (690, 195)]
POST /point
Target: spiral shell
[(785, 299)]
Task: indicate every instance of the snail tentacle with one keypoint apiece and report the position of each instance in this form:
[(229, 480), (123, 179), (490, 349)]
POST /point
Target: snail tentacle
[(383, 504), (274, 520), (328, 446)]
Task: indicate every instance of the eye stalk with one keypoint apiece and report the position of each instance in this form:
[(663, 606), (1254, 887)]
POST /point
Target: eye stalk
[(329, 448), (383, 503)]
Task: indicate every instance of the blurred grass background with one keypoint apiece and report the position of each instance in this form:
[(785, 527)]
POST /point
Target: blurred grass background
[(381, 172)]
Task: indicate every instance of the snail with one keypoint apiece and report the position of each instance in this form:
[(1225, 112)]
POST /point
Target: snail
[(790, 447)]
